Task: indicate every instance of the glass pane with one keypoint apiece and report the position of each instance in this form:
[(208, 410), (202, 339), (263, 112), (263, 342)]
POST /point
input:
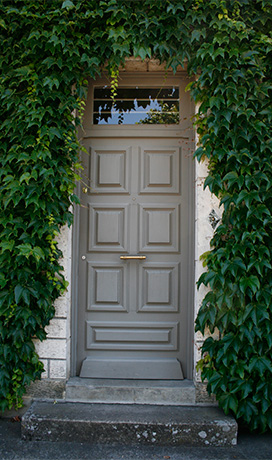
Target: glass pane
[(136, 105)]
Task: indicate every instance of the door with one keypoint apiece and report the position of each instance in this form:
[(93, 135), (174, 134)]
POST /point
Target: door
[(135, 258)]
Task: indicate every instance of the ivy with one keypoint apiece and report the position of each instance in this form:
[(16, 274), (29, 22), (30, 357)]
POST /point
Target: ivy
[(48, 50), (234, 122)]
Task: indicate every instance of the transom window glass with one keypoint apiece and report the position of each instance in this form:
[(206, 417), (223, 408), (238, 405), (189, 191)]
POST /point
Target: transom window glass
[(136, 105)]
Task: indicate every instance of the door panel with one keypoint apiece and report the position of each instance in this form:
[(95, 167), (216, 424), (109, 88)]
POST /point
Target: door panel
[(133, 314), (159, 288), (131, 335), (159, 228), (108, 228), (159, 171), (109, 171), (107, 285)]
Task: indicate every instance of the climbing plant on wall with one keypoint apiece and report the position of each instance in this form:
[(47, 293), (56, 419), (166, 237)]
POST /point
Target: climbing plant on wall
[(234, 121), (48, 50)]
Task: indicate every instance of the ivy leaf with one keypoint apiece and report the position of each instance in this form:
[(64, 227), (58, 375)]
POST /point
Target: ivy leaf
[(18, 291), (25, 250), (260, 364), (246, 389), (231, 177), (122, 47), (49, 62), (25, 177), (26, 296), (24, 71), (215, 381), (53, 131), (38, 253), (265, 405), (251, 282), (196, 34), (117, 32), (67, 4), (142, 51), (229, 402), (7, 245), (216, 102), (3, 24), (51, 82)]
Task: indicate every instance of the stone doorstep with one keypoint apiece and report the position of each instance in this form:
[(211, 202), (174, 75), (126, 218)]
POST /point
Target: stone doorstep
[(162, 392), (127, 424)]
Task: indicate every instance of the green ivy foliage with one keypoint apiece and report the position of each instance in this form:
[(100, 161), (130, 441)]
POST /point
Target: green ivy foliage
[(234, 121), (48, 49)]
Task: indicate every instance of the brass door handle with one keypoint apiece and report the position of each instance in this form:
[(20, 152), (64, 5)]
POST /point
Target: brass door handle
[(132, 257)]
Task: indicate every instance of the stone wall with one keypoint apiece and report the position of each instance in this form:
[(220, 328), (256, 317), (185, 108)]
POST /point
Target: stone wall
[(55, 351), (207, 217)]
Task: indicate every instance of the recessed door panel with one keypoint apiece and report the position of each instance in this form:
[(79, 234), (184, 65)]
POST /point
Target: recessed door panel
[(108, 228), (159, 228), (160, 170), (109, 169), (107, 287), (159, 288), (131, 336)]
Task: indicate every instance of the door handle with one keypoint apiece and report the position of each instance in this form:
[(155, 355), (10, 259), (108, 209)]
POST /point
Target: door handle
[(132, 257)]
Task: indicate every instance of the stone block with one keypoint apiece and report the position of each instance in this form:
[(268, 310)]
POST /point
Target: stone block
[(128, 424), (45, 364), (57, 369), (56, 328), (62, 307), (201, 169), (202, 396), (51, 348), (43, 389), (161, 392)]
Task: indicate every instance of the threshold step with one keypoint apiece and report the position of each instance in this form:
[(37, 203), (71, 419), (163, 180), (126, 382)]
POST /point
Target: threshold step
[(127, 424), (163, 392)]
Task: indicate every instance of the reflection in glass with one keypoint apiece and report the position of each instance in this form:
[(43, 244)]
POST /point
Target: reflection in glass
[(136, 105)]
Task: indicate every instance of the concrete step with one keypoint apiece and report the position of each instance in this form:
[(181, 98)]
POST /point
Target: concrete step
[(128, 424), (163, 392)]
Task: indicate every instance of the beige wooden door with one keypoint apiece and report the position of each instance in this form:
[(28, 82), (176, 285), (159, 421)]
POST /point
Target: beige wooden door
[(133, 312)]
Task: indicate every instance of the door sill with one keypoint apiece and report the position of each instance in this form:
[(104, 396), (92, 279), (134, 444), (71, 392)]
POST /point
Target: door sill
[(132, 368), (115, 391)]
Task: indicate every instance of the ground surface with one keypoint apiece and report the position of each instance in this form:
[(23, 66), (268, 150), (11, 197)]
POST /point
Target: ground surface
[(250, 447)]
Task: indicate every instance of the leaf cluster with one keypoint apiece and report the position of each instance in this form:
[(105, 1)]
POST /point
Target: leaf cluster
[(234, 123)]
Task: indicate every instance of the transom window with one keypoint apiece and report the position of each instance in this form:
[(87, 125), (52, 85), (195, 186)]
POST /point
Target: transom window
[(136, 105)]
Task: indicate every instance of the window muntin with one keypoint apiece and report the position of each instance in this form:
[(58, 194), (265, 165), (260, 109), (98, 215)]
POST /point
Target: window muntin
[(136, 105)]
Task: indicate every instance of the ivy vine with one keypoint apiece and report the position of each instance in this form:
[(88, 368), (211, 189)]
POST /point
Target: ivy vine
[(48, 50), (235, 126)]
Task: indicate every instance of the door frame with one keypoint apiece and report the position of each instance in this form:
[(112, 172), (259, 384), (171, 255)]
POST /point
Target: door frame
[(98, 131)]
